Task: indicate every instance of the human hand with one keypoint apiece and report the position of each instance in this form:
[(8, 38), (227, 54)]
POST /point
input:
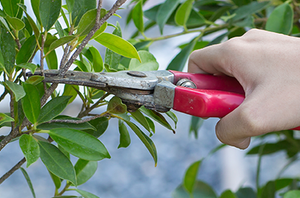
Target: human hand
[(267, 65)]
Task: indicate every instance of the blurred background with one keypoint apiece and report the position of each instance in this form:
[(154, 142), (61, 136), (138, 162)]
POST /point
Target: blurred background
[(130, 173)]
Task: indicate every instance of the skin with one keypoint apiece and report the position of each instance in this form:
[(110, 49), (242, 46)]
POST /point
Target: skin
[(267, 66)]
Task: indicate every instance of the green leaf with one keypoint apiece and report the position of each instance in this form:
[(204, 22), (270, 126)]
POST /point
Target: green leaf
[(32, 67), (227, 194), (59, 42), (87, 22), (148, 62), (57, 162), (157, 117), (118, 45), (268, 191), (10, 7), (173, 117), (31, 102), (26, 50), (79, 144), (35, 4), (137, 16), (183, 12), (81, 126), (85, 170), (138, 116), (241, 2), (282, 183), (195, 125), (100, 124), (249, 9), (86, 194), (5, 118), (28, 180), (164, 12), (7, 48), (97, 60), (71, 90), (35, 80), (145, 139), (180, 59), (115, 106), (201, 189), (111, 58), (30, 148), (79, 8), (17, 90), (124, 135), (56, 180), (15, 23), (246, 192), (100, 30), (281, 19), (49, 12), (191, 176), (292, 194), (53, 108), (32, 23)]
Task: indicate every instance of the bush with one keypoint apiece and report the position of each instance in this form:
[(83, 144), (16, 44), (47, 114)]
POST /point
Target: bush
[(36, 106)]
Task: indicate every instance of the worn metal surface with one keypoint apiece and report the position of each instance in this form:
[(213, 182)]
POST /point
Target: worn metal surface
[(134, 88)]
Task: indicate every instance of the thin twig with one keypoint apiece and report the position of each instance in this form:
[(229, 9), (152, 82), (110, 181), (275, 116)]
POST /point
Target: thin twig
[(12, 170), (98, 24)]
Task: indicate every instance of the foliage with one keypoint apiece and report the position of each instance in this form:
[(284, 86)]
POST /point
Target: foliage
[(36, 107)]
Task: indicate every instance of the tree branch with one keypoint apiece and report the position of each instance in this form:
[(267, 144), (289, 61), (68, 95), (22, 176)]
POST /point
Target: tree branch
[(12, 170)]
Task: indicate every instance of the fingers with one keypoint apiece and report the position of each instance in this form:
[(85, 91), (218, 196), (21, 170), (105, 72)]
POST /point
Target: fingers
[(207, 60)]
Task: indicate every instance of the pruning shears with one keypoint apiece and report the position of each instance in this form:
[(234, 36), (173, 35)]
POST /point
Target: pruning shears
[(200, 95)]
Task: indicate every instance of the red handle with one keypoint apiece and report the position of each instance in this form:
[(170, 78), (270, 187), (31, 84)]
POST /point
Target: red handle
[(205, 103), (211, 82)]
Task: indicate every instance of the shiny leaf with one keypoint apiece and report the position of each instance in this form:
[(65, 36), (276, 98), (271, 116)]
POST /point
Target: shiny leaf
[(57, 162), (97, 59), (10, 7), (85, 170), (145, 139), (148, 62), (26, 50), (292, 194), (164, 12), (137, 16), (86, 194), (49, 12), (17, 90), (118, 45), (138, 116), (100, 125), (31, 102), (28, 180), (124, 135), (30, 148), (87, 22), (79, 8), (59, 42), (5, 118), (7, 48), (32, 67), (79, 144), (53, 108), (281, 19), (15, 23), (190, 176), (180, 59), (201, 189), (35, 4), (183, 12)]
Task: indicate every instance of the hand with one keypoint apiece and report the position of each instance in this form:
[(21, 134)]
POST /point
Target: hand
[(267, 65)]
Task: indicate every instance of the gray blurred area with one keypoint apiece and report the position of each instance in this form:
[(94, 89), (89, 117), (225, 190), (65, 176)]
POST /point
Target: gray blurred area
[(130, 173)]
